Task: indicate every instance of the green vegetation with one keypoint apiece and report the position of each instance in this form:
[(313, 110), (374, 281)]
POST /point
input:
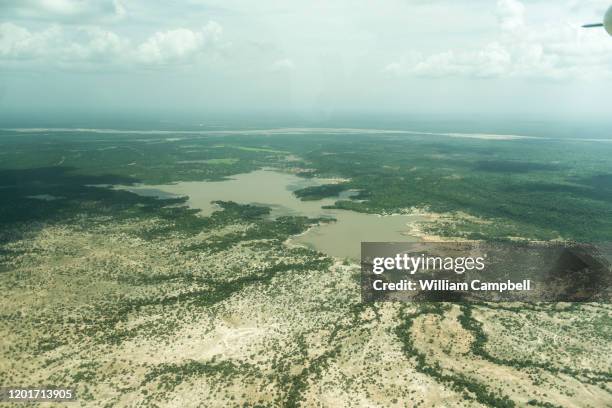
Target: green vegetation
[(221, 161), (256, 149), (539, 189), (530, 188), (141, 301), (319, 192)]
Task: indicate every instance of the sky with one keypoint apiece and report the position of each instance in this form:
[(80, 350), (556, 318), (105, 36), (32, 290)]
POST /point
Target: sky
[(306, 57)]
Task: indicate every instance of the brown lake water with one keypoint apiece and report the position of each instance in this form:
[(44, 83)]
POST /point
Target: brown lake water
[(275, 189)]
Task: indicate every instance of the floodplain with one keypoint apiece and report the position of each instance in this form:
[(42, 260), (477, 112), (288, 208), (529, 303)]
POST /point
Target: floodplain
[(122, 279)]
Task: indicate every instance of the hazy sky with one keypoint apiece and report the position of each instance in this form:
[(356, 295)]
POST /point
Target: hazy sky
[(312, 57)]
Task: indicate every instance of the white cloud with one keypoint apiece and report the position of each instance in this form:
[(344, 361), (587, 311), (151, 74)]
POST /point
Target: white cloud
[(179, 45), (283, 65), (65, 11), (306, 55), (17, 42), (394, 68), (554, 50), (511, 14), (80, 46)]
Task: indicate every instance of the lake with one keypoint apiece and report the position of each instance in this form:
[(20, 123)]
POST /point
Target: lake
[(274, 189)]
